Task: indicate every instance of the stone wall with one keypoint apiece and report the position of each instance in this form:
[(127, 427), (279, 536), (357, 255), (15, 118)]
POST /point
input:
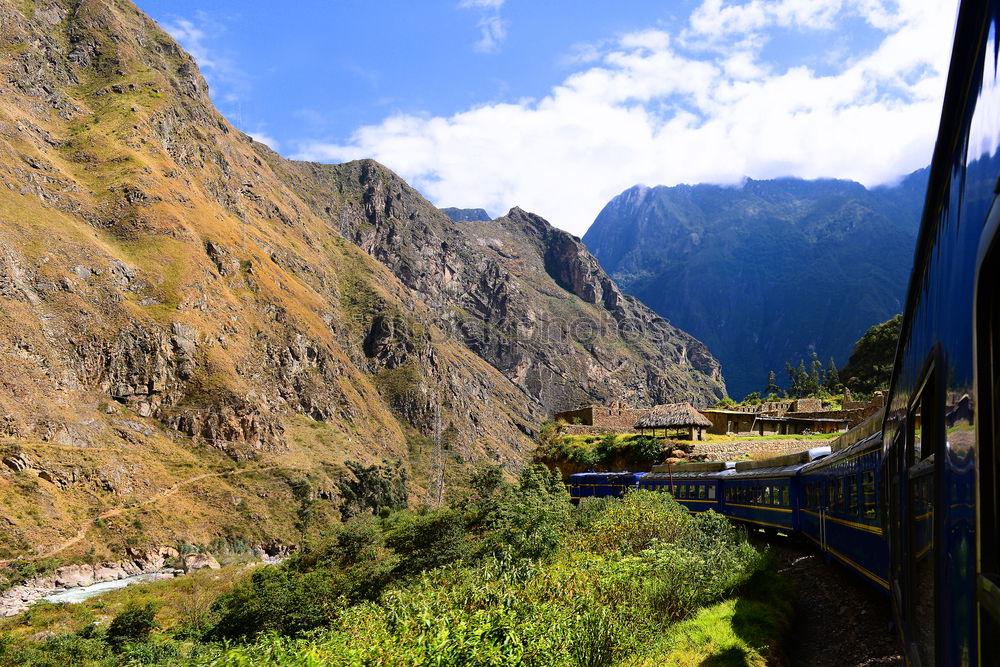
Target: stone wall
[(584, 416), (616, 417)]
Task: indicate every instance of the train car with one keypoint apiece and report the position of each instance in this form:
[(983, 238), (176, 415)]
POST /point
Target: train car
[(765, 494), (939, 466), (696, 486), (838, 510), (601, 484)]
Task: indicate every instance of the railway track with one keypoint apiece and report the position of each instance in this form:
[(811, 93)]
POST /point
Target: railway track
[(840, 620)]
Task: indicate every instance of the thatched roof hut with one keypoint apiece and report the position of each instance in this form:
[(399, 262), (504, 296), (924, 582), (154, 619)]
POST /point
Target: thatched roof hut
[(673, 416)]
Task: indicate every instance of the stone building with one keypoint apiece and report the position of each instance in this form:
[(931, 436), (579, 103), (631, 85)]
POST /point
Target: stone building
[(616, 416)]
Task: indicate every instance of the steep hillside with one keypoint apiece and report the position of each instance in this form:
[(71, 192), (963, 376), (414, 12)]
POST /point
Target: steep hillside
[(189, 345), (767, 272), (526, 297)]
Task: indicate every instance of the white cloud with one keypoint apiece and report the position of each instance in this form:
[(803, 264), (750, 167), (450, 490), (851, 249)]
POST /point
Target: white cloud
[(648, 111), (483, 4), (265, 139), (492, 27), (493, 31)]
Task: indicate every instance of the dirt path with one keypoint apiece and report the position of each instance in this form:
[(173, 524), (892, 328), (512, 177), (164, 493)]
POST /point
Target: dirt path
[(840, 620), (107, 514)]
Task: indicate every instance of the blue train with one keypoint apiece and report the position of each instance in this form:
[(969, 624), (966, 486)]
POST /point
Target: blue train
[(915, 507), (831, 498)]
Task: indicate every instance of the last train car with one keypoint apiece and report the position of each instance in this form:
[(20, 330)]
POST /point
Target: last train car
[(601, 484), (940, 460)]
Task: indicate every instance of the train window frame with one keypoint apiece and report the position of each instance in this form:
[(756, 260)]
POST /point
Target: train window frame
[(868, 500), (851, 493)]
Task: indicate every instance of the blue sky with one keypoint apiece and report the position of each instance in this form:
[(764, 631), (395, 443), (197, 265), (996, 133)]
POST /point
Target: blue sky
[(557, 106)]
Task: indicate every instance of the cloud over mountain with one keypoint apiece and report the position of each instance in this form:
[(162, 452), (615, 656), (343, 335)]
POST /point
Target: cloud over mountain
[(710, 101)]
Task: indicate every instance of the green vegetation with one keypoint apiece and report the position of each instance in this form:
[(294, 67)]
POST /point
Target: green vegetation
[(607, 451), (869, 368), (511, 575)]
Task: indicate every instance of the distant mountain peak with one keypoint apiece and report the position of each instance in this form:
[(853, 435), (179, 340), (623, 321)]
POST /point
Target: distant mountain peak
[(467, 214), (765, 271)]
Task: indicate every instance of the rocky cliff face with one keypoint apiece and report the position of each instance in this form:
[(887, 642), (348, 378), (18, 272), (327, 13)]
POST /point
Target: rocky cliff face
[(526, 297), (196, 334)]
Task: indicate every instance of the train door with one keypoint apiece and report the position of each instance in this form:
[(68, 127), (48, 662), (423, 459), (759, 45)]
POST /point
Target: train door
[(987, 415)]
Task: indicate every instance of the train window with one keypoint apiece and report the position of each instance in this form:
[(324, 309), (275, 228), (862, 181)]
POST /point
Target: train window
[(767, 495), (711, 492), (868, 493), (776, 495), (852, 495), (785, 500), (701, 491)]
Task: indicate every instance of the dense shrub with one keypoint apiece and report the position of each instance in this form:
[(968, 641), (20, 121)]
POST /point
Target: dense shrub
[(132, 624)]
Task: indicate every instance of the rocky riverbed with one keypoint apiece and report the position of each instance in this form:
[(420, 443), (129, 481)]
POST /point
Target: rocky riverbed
[(158, 562)]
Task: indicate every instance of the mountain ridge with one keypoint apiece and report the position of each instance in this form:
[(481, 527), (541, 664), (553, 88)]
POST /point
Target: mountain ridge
[(767, 265)]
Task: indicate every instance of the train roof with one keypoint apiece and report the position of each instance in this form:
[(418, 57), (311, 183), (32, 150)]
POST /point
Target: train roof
[(779, 466), (703, 466), (704, 475), (872, 442), (590, 474)]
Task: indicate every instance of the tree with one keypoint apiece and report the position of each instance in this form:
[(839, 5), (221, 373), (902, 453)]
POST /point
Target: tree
[(799, 378), (772, 388), (869, 368), (814, 379), (752, 399), (832, 381)]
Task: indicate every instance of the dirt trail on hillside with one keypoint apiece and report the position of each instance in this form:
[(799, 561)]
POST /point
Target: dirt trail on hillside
[(107, 514)]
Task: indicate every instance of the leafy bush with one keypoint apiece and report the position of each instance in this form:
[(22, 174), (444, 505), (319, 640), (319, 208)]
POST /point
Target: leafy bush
[(132, 624), (370, 488), (427, 541)]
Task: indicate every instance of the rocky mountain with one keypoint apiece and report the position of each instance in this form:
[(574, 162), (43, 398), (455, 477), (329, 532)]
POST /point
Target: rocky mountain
[(202, 342), (766, 272), (466, 214)]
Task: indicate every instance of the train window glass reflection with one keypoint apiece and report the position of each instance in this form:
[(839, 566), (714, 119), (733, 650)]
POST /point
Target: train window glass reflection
[(852, 496), (767, 495), (701, 491), (868, 490)]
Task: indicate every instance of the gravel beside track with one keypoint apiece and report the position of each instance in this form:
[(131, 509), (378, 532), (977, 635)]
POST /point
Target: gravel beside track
[(840, 620)]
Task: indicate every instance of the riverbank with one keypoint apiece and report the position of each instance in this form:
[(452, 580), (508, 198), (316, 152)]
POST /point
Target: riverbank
[(163, 563)]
